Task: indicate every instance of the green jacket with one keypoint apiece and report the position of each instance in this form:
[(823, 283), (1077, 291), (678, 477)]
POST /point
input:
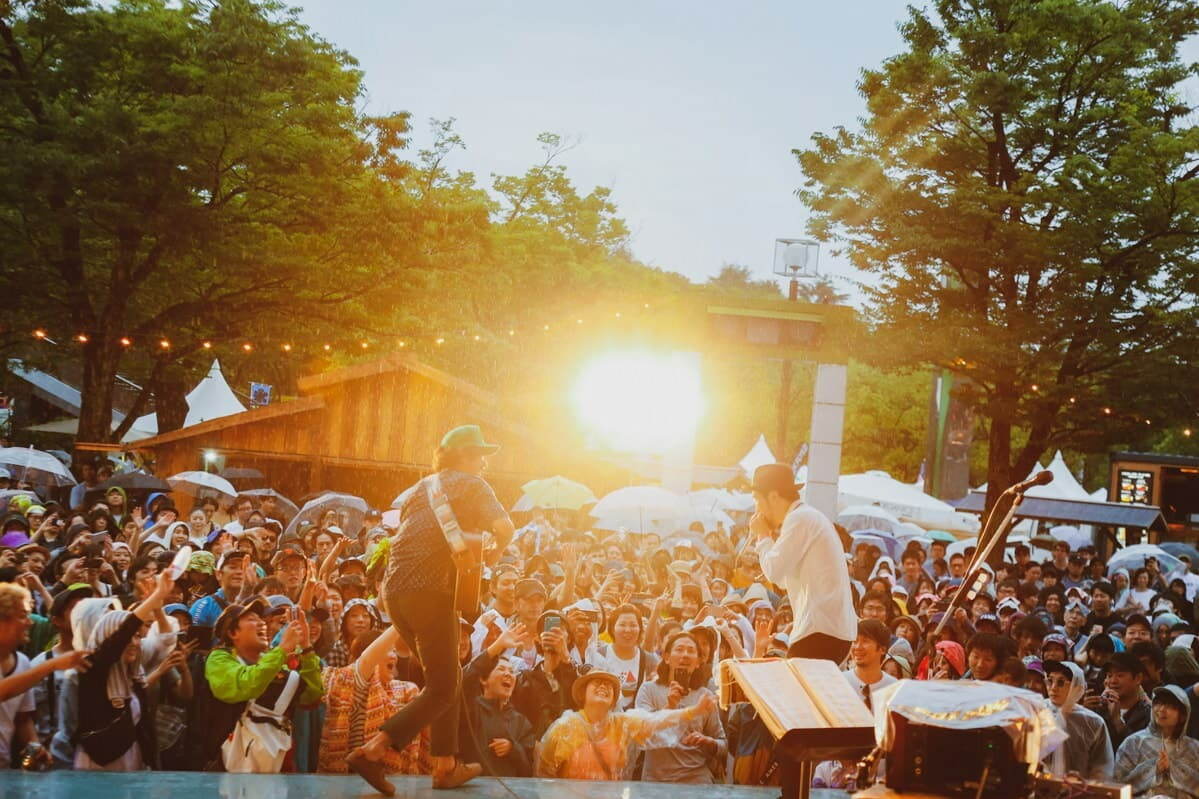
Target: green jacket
[(233, 681)]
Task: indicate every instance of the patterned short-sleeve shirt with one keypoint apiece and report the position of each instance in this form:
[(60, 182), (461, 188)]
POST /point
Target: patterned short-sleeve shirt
[(419, 559)]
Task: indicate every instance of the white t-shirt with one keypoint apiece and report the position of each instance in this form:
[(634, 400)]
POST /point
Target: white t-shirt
[(10, 708), (807, 559), (626, 670), (859, 687)]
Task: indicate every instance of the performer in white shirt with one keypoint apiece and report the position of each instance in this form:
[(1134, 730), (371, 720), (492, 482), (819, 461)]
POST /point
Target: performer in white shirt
[(798, 549)]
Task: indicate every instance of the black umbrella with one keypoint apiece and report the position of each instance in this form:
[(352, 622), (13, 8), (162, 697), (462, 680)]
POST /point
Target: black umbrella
[(133, 481), (243, 476)]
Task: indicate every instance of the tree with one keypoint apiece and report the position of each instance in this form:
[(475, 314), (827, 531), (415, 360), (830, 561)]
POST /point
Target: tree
[(180, 173), (734, 279), (1024, 184)]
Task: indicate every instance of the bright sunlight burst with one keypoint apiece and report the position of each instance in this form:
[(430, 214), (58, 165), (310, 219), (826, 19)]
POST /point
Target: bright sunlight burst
[(640, 401)]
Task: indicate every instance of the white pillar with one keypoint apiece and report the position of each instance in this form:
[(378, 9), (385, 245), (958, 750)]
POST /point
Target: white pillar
[(824, 454)]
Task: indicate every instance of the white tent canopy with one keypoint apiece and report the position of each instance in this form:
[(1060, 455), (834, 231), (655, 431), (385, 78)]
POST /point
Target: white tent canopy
[(758, 455), (210, 399), (902, 499)]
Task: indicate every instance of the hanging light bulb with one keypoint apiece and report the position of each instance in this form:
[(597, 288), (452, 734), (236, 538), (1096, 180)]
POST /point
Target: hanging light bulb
[(511, 332), (206, 345), (1107, 411), (328, 347), (287, 348), (1187, 432), (39, 333), (440, 341), (403, 344), (247, 346), (81, 338), (363, 344), (125, 341), (477, 337)]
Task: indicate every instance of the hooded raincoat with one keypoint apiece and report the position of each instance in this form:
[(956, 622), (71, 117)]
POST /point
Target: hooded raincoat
[(1136, 762), (1088, 750)]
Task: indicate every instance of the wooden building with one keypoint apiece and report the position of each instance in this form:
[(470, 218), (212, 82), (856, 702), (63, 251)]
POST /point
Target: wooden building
[(370, 430)]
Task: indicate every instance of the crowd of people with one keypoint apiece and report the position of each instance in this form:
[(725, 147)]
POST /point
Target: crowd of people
[(592, 655)]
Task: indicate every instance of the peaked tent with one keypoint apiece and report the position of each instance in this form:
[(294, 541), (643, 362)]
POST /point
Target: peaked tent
[(210, 399), (758, 455)]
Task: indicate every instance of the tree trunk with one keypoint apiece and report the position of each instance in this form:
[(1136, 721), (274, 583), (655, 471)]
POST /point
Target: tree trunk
[(100, 361), (999, 454)]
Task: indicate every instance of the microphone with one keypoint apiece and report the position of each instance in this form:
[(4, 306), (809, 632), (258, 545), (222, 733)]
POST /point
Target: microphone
[(1043, 477)]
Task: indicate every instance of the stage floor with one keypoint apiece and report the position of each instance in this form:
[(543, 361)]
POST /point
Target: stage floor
[(181, 784)]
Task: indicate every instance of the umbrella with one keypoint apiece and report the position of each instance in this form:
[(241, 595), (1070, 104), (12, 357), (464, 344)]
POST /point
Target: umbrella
[(202, 484), (29, 465), (133, 481), (289, 508), (941, 535), (868, 517), (1076, 538), (1133, 557), (391, 518), (351, 512), (556, 492), (62, 455), (9, 493), (1178, 549), (242, 476), (886, 542), (643, 509)]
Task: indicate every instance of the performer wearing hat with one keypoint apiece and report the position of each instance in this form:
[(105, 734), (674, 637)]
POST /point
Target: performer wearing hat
[(798, 549), (418, 589)]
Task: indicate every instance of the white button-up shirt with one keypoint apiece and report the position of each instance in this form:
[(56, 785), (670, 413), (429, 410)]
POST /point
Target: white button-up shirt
[(807, 560)]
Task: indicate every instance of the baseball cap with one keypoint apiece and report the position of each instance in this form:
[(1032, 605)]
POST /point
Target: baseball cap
[(232, 614), (63, 598), (288, 551), (1008, 603), (177, 607), (528, 587)]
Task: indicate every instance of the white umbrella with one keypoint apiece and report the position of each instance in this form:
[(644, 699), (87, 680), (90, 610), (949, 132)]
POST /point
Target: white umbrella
[(713, 499), (868, 517), (1076, 538), (201, 484), (1133, 557), (648, 502), (1037, 553), (29, 465)]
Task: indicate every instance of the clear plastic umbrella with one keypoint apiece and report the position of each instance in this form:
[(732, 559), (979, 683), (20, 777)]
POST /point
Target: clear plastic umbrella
[(289, 508), (202, 484), (29, 465), (351, 512), (1133, 557)]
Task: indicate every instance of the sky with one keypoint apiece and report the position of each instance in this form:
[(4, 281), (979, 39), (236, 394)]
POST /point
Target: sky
[(687, 111)]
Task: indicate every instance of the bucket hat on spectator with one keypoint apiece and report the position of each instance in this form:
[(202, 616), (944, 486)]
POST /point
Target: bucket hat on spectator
[(202, 562), (579, 690)]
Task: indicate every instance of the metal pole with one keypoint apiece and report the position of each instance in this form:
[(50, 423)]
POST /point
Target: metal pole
[(784, 412), (980, 556)]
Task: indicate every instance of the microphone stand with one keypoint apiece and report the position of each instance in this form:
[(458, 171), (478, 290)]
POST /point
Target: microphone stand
[(981, 555)]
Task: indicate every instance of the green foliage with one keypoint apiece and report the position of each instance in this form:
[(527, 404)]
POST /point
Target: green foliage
[(1024, 186), (188, 171)]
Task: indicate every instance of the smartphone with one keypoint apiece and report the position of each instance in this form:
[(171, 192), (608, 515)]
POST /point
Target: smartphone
[(682, 677), (551, 623)]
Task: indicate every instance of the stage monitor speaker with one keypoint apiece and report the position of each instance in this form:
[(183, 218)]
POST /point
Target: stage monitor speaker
[(948, 762)]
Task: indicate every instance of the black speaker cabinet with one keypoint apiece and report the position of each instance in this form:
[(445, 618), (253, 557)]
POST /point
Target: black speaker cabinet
[(937, 760)]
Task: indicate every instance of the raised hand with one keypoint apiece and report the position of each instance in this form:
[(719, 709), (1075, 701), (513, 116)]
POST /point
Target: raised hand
[(514, 636)]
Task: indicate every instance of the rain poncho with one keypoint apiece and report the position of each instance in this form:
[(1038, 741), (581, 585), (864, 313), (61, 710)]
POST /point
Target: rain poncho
[(574, 748), (1088, 750), (1136, 762)]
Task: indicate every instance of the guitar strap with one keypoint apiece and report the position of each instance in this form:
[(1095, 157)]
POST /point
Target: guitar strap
[(444, 513)]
